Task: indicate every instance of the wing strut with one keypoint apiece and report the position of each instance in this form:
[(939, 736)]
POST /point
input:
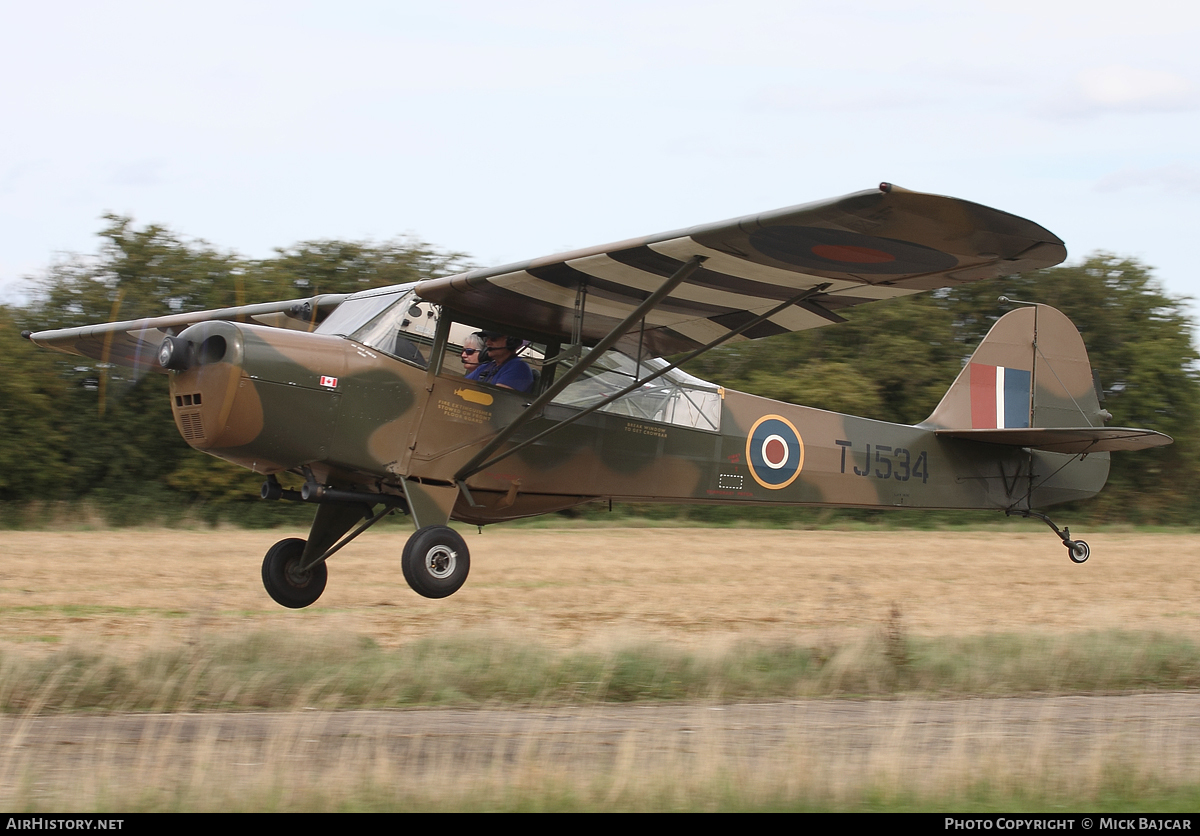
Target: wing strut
[(470, 469), (678, 277)]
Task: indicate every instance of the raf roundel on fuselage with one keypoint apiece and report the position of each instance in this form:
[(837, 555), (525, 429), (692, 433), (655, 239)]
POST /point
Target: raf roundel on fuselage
[(774, 451)]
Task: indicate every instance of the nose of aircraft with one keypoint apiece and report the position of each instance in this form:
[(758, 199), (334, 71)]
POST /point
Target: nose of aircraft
[(264, 398), (207, 361)]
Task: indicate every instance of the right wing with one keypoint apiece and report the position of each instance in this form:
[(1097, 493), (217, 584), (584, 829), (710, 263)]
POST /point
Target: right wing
[(135, 342)]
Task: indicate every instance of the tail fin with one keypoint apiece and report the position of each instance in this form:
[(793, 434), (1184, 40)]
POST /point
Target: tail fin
[(1031, 370), (1029, 384)]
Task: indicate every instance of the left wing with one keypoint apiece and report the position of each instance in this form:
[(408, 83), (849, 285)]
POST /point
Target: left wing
[(135, 342), (877, 244)]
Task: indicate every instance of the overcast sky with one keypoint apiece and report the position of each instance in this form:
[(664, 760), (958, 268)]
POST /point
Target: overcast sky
[(509, 130)]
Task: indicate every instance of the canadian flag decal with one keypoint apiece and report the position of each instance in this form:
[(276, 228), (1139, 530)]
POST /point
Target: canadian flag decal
[(329, 382)]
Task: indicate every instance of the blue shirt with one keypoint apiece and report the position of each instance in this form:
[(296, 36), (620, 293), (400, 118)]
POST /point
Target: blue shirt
[(514, 373)]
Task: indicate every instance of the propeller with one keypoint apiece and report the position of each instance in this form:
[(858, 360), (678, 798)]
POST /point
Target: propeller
[(102, 383)]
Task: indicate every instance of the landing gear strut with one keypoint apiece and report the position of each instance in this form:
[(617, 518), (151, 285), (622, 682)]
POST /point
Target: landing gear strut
[(1077, 550), (294, 571), (435, 560)]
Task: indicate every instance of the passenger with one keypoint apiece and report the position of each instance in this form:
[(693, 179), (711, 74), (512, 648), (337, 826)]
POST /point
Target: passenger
[(472, 353), (502, 366)]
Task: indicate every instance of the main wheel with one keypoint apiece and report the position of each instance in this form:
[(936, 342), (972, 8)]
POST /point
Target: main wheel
[(435, 561), (1079, 552), (284, 581)]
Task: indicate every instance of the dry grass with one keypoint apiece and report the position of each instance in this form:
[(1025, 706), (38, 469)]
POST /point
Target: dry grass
[(133, 590), (973, 755), (704, 593), (275, 672)]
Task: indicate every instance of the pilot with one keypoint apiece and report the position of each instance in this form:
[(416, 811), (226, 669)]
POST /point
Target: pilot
[(472, 353), (502, 366)]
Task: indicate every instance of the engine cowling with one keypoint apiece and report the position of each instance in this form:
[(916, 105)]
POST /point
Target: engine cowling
[(264, 398)]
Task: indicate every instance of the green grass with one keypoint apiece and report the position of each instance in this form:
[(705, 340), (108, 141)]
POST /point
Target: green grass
[(370, 782), (273, 671)]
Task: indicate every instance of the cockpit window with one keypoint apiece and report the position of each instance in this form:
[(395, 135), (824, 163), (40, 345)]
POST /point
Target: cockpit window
[(674, 398)]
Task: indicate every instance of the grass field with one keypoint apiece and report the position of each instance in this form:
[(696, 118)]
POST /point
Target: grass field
[(131, 589), (176, 620)]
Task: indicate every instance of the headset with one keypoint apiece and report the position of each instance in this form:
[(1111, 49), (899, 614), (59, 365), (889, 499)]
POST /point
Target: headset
[(511, 343)]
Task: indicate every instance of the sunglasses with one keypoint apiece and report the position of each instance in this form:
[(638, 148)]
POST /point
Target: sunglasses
[(470, 351)]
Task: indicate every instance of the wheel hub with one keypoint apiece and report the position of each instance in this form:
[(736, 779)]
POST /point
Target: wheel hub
[(295, 576), (440, 561)]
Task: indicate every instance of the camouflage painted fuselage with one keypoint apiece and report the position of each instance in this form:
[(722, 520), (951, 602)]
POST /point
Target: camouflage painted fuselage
[(276, 400)]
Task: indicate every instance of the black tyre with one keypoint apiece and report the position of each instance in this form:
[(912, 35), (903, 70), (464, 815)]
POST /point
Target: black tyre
[(435, 561), (1079, 552), (283, 580)]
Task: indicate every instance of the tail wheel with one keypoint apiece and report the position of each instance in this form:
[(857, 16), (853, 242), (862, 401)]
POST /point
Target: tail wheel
[(435, 561), (284, 581)]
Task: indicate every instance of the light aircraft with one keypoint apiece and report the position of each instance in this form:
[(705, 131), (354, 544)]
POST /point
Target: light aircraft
[(364, 396)]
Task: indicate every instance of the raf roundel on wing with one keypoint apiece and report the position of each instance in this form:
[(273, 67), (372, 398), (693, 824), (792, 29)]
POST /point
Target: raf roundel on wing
[(775, 452)]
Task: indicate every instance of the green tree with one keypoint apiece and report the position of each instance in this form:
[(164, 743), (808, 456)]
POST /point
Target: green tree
[(891, 361), (35, 430), (328, 266), (115, 435), (119, 419), (138, 273)]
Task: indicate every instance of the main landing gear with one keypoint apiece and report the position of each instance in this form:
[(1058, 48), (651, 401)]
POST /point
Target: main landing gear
[(1077, 550), (435, 563), (435, 560)]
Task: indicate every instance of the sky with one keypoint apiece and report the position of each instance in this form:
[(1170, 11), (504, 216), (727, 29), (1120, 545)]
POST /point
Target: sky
[(513, 130)]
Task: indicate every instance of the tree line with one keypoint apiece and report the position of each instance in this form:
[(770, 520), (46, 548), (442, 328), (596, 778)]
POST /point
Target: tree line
[(71, 430)]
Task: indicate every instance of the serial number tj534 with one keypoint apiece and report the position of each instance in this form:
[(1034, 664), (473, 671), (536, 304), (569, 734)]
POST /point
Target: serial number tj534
[(889, 463)]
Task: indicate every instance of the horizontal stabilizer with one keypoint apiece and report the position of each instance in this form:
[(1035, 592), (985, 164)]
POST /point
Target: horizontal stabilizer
[(1066, 439)]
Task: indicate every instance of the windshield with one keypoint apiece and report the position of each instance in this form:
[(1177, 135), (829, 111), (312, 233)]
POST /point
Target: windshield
[(396, 323), (354, 313)]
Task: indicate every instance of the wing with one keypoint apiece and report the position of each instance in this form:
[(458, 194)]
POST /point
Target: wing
[(135, 342), (877, 244)]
